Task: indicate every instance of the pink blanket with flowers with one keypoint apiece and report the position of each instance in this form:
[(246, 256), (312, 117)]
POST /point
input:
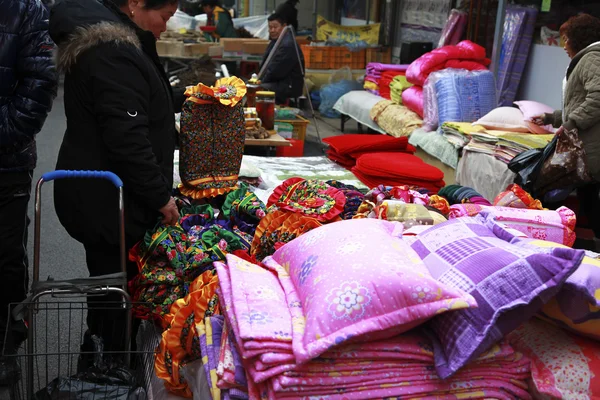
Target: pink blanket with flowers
[(263, 317)]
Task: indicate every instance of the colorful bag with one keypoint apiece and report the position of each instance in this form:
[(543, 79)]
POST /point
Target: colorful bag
[(212, 138), (566, 167)]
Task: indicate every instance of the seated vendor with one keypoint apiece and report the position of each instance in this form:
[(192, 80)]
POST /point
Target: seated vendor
[(283, 75), (220, 18)]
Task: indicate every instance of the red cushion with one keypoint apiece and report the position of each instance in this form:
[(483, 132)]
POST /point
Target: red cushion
[(398, 165), (410, 149), (374, 181), (350, 143), (344, 161)]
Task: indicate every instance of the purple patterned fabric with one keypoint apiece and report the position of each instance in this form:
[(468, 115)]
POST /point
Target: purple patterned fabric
[(510, 284), (519, 26)]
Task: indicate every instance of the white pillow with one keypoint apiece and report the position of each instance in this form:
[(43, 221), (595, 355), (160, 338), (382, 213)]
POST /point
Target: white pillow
[(504, 119)]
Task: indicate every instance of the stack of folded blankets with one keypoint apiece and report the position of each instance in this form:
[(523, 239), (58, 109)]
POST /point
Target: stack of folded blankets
[(398, 85), (387, 78), (304, 332), (379, 77), (397, 169), (503, 145), (458, 133), (351, 310), (465, 55), (346, 149)]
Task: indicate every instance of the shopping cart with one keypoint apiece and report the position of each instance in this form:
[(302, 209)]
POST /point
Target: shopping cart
[(60, 359)]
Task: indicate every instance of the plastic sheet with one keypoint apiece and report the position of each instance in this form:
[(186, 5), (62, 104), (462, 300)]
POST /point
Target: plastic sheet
[(258, 26), (340, 83)]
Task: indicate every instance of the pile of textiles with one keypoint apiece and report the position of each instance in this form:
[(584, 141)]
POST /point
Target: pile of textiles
[(465, 55), (456, 194), (454, 28), (346, 149), (287, 314), (505, 146), (409, 205), (384, 83), (394, 119), (398, 85), (170, 258), (397, 169), (459, 133), (379, 76), (299, 205), (458, 95)]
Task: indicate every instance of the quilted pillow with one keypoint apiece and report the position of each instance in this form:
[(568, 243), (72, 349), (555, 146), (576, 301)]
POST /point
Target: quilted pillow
[(510, 284), (555, 226), (351, 143), (563, 366), (577, 305), (508, 119), (357, 279)]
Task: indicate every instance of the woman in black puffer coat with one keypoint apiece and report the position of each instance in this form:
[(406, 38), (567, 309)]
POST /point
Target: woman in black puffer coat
[(120, 118)]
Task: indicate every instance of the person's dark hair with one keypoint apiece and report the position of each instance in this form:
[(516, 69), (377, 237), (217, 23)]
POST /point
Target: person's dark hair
[(581, 31), (277, 17), (150, 4), (211, 3)]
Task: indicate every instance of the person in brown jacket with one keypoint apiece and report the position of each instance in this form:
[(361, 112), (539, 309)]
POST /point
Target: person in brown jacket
[(581, 103)]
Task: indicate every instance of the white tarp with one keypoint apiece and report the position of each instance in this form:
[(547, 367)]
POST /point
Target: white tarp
[(258, 26)]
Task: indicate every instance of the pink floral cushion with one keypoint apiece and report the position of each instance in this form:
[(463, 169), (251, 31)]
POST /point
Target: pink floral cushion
[(357, 279), (554, 226)]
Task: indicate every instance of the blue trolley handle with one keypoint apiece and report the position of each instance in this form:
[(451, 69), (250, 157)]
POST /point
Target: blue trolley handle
[(63, 174)]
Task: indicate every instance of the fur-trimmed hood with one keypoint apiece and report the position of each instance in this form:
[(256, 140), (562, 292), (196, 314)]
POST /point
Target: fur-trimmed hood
[(79, 25)]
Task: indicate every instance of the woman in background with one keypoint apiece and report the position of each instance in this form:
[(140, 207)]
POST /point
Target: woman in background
[(219, 18), (581, 103)]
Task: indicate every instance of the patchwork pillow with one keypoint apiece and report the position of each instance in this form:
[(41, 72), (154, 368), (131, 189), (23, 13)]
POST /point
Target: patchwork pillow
[(577, 305), (508, 119), (357, 280), (510, 284), (352, 143), (563, 366), (532, 109), (555, 226)]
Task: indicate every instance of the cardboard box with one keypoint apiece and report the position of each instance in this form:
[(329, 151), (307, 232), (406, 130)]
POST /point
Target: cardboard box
[(255, 47), (197, 49), (215, 51), (235, 44)]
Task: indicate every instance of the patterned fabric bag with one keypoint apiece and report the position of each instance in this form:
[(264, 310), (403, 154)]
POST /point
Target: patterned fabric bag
[(212, 138), (566, 167)]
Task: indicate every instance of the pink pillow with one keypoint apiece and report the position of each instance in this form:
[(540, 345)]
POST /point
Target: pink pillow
[(508, 119), (358, 280), (531, 109)]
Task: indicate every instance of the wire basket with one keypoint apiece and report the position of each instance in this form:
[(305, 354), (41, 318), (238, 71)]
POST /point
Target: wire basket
[(64, 360)]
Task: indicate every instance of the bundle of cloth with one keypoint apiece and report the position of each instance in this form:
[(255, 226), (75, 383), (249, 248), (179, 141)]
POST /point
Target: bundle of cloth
[(346, 149), (386, 80), (378, 77), (397, 169), (457, 95), (398, 85), (395, 119), (465, 55)]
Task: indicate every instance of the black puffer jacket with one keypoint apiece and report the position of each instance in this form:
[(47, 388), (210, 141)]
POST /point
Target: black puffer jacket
[(120, 118), (28, 81)]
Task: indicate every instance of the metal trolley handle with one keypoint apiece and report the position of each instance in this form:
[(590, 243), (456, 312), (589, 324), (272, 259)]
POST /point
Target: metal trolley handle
[(63, 174)]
